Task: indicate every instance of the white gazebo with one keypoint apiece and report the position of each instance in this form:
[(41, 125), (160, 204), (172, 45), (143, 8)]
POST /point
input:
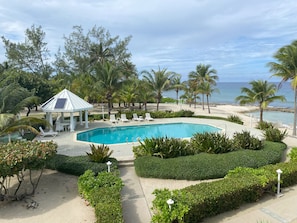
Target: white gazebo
[(67, 102)]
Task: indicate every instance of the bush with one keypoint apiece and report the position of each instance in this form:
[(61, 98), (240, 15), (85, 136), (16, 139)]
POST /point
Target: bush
[(103, 193), (77, 165), (99, 154), (235, 119), (293, 154), (211, 143), (163, 147), (207, 166), (245, 140), (242, 185), (264, 125), (274, 134)]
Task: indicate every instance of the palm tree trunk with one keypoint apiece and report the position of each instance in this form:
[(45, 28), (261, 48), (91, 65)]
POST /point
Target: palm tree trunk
[(207, 101), (295, 113), (202, 101), (261, 114), (177, 97)]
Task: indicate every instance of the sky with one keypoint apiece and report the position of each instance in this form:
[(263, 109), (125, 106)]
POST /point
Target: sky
[(237, 38)]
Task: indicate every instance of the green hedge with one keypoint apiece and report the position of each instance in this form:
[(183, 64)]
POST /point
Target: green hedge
[(77, 165), (212, 198), (103, 193), (201, 166)]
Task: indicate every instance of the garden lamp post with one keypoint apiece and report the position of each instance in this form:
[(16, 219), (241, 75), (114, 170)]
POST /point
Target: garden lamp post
[(279, 172), (108, 166), (170, 202)]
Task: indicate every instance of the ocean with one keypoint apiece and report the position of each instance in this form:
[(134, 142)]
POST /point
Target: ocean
[(228, 91)]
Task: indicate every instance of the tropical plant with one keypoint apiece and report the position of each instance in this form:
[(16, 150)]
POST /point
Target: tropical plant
[(244, 140), (286, 69), (99, 153), (158, 80), (207, 89), (274, 134), (209, 142), (235, 119), (261, 93)]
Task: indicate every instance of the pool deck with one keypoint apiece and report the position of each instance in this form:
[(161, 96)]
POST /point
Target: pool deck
[(137, 193), (68, 145)]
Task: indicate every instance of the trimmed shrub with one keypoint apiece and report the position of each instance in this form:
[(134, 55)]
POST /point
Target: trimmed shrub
[(207, 166), (211, 143), (293, 154), (103, 193), (77, 165), (243, 185), (245, 140)]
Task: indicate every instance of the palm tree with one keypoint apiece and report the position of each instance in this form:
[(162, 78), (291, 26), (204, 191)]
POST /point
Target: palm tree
[(107, 77), (159, 81), (261, 93), (286, 68), (203, 73), (207, 89), (9, 124), (177, 85)]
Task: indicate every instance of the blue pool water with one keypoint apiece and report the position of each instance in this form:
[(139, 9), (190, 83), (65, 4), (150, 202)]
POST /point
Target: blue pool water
[(124, 134)]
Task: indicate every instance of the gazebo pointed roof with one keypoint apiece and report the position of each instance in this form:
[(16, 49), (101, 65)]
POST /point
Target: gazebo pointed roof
[(66, 101)]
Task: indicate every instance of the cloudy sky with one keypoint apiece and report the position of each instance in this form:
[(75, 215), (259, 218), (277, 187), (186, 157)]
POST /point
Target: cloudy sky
[(237, 38)]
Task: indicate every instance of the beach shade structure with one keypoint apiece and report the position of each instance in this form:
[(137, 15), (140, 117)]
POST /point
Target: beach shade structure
[(148, 117), (67, 102)]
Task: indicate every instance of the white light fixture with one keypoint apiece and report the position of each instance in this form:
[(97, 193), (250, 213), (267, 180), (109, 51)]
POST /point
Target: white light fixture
[(170, 202), (279, 172), (108, 166)]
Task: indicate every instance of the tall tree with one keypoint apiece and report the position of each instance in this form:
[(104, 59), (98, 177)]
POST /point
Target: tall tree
[(107, 77), (207, 88), (261, 93), (158, 80), (32, 55), (177, 85), (286, 68), (203, 73)]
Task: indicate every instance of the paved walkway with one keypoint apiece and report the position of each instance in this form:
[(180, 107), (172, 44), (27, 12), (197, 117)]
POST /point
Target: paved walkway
[(137, 195)]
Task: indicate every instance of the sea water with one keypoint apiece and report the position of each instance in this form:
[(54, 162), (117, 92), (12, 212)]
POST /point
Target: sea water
[(228, 91)]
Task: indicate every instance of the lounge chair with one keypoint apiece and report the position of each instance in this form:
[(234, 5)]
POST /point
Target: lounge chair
[(136, 118), (124, 118), (148, 117), (113, 119), (49, 133)]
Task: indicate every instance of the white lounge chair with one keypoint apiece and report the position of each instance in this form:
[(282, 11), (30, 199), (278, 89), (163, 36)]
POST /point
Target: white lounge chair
[(49, 133), (136, 118), (148, 117), (124, 118), (113, 119)]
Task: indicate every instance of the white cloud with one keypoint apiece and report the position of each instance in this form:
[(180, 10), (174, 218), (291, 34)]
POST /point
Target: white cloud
[(173, 34)]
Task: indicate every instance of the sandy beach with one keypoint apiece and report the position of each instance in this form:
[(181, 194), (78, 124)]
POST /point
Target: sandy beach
[(57, 196)]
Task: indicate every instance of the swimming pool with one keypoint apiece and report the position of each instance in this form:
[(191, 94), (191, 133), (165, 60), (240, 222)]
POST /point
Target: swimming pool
[(125, 134)]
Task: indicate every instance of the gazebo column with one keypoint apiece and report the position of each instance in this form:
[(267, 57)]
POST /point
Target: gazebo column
[(50, 120), (86, 119), (71, 122), (80, 118)]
